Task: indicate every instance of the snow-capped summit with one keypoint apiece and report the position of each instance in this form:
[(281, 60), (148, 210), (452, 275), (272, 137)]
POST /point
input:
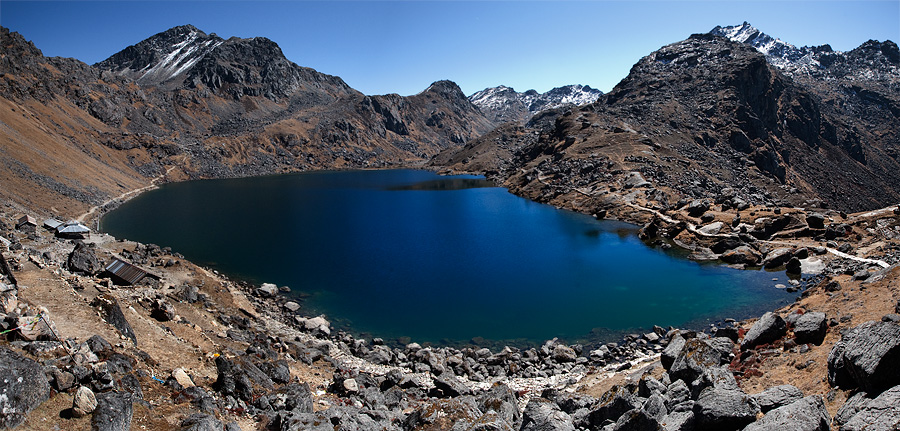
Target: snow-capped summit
[(871, 61), (779, 53), (501, 104), (163, 56)]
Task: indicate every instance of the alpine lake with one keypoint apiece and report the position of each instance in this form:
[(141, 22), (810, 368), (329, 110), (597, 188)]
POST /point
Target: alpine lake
[(411, 255)]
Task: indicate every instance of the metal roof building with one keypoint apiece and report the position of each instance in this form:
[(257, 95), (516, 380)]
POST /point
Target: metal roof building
[(125, 273)]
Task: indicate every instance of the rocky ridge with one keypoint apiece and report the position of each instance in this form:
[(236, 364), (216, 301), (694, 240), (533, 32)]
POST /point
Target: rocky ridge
[(183, 104), (502, 104)]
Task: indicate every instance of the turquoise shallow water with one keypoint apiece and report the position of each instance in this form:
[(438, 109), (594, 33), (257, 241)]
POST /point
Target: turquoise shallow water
[(406, 253)]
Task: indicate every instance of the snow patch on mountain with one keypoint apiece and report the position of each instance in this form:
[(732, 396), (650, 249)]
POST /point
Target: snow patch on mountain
[(182, 56), (502, 103)]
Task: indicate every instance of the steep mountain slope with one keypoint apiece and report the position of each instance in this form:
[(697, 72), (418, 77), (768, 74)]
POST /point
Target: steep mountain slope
[(501, 104), (706, 117), (190, 105)]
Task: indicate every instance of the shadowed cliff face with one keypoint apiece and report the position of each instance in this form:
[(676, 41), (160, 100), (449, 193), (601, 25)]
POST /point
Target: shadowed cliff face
[(707, 114)]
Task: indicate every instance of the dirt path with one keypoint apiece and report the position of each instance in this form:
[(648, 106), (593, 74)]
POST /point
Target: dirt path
[(124, 196)]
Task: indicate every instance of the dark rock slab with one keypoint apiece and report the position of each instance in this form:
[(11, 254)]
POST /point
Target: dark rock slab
[(449, 386), (810, 328), (201, 422), (767, 329), (777, 396), (83, 260), (868, 357), (541, 414), (722, 409), (112, 313), (879, 414), (295, 397), (612, 404), (806, 414), (502, 400), (113, 413), (699, 355), (850, 407), (445, 414), (23, 387), (637, 420)]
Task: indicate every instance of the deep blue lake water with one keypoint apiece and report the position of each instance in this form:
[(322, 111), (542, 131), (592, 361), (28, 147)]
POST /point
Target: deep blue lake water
[(406, 253)]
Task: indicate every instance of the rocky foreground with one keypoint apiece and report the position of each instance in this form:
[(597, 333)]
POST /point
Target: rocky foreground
[(190, 349)]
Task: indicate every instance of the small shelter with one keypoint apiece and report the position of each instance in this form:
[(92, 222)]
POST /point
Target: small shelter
[(26, 223), (124, 273), (72, 229)]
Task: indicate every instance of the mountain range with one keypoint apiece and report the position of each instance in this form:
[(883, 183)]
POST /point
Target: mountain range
[(731, 110), (713, 116), (501, 104)]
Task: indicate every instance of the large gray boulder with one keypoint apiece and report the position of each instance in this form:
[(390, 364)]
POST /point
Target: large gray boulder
[(880, 414), (113, 413), (637, 420), (201, 422), (868, 357), (722, 409), (810, 328), (502, 400), (806, 414), (777, 396), (83, 260), (612, 404), (698, 356), (542, 414), (767, 329), (23, 387)]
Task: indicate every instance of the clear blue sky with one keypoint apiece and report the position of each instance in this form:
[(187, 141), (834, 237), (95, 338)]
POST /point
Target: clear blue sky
[(401, 47)]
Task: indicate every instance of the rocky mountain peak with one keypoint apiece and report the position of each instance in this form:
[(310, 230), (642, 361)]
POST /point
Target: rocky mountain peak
[(502, 103), (163, 56)]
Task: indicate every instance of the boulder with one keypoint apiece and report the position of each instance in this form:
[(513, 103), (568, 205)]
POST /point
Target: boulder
[(810, 328), (699, 355), (722, 409), (109, 309), (83, 260), (777, 396), (815, 221), (777, 258), (767, 329), (541, 414), (850, 408), (267, 290), (450, 386), (295, 397), (806, 414), (634, 180), (23, 387), (697, 207), (291, 306), (201, 422), (182, 378), (162, 310), (679, 421), (741, 255), (667, 358), (879, 414), (99, 346), (438, 414), (114, 412), (712, 229), (868, 357), (502, 400), (563, 353), (612, 404), (637, 420), (84, 402)]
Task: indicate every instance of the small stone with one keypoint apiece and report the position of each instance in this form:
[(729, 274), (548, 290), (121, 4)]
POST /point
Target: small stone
[(182, 378), (291, 306), (84, 403), (267, 290)]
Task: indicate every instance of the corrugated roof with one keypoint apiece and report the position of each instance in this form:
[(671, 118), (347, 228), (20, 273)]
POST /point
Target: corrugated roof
[(52, 223), (72, 227), (27, 219), (125, 271)]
